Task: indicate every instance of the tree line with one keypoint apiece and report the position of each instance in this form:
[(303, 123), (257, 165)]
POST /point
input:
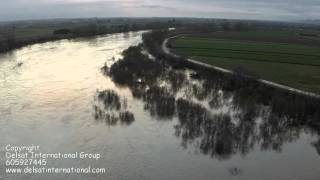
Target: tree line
[(9, 37)]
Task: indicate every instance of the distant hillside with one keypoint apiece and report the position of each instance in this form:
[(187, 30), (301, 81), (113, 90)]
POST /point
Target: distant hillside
[(311, 21)]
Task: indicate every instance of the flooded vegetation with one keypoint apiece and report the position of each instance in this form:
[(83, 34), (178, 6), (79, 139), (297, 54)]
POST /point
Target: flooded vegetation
[(111, 109), (154, 117), (110, 99), (218, 115)]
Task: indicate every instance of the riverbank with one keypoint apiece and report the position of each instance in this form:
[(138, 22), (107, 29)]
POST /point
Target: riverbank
[(144, 111), (167, 51), (14, 35)]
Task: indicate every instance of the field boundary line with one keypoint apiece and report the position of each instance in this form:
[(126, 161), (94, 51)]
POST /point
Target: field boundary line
[(248, 51), (260, 60), (167, 51)]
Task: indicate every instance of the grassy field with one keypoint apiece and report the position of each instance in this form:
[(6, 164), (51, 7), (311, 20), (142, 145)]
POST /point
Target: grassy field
[(288, 35), (296, 64)]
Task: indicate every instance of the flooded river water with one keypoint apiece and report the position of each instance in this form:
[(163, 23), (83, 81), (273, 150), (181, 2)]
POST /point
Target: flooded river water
[(54, 95)]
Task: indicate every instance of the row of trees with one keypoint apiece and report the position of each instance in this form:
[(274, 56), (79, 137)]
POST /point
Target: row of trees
[(9, 40), (283, 101), (160, 86), (96, 28), (205, 27)]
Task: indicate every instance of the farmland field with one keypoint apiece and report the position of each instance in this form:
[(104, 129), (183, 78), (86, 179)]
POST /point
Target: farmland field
[(293, 64)]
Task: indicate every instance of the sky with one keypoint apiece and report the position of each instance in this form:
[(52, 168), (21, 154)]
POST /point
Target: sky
[(290, 10)]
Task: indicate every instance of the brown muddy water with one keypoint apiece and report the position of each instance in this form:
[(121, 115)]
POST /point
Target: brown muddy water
[(54, 95)]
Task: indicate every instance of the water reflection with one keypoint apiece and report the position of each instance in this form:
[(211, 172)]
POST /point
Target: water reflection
[(217, 135), (235, 171), (218, 115), (317, 146), (159, 102), (111, 109), (50, 94)]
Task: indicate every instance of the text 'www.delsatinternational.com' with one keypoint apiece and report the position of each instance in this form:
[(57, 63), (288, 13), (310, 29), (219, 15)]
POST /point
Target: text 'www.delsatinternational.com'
[(30, 160)]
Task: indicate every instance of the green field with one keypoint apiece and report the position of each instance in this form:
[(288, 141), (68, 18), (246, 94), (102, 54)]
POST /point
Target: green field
[(293, 64)]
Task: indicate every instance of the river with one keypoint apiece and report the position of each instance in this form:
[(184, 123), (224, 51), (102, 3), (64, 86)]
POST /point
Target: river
[(49, 96)]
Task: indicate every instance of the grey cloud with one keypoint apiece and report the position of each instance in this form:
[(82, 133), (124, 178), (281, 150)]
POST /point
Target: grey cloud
[(245, 9), (158, 7)]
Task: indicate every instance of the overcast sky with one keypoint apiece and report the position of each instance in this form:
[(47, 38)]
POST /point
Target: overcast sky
[(236, 9)]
